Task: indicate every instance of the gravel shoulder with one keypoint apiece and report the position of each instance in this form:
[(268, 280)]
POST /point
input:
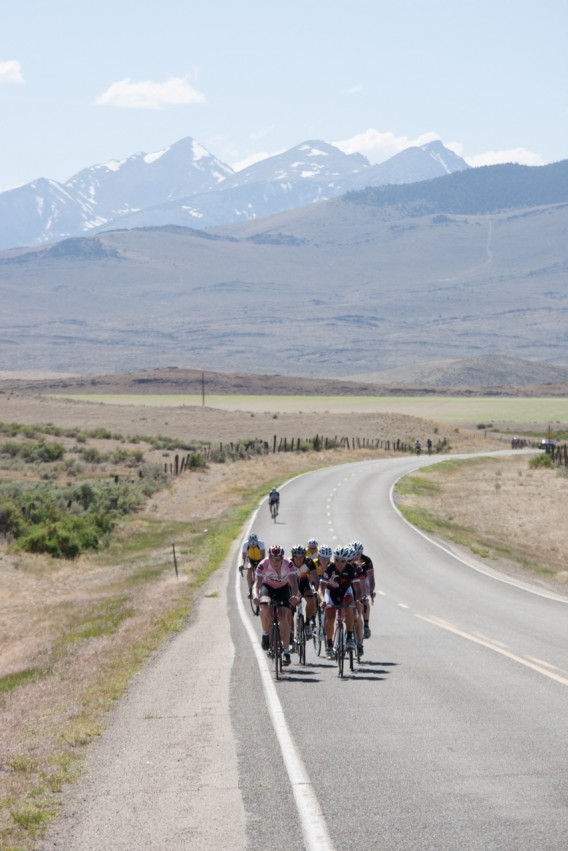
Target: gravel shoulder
[(164, 774)]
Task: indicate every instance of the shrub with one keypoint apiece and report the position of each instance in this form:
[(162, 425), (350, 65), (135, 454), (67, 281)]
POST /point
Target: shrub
[(66, 538), (196, 461), (540, 461), (91, 455)]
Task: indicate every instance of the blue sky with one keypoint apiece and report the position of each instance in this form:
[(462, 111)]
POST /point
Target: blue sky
[(85, 82)]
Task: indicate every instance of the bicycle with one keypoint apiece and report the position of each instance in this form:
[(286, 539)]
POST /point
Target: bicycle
[(275, 651), (274, 510), (340, 643), (300, 633), (318, 636), (255, 609)]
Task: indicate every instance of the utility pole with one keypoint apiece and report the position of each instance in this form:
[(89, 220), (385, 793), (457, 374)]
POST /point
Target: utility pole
[(202, 389)]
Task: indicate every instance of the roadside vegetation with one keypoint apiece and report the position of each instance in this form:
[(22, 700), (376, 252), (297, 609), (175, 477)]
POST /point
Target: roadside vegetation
[(486, 506)]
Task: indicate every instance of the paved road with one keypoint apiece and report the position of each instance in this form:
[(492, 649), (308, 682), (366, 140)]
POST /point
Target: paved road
[(451, 734)]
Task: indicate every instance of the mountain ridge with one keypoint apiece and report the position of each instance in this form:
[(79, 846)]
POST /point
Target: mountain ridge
[(185, 184), (331, 289)]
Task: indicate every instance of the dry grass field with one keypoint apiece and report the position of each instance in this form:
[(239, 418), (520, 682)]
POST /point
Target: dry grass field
[(72, 633)]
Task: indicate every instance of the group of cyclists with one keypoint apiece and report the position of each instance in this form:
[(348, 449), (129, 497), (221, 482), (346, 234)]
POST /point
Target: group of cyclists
[(331, 580)]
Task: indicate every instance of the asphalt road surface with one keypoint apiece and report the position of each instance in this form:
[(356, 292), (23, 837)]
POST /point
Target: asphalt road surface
[(451, 734)]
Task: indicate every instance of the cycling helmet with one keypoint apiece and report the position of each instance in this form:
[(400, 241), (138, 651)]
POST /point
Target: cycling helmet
[(298, 551), (358, 547), (325, 552), (342, 552), (253, 540), (276, 551), (312, 543)]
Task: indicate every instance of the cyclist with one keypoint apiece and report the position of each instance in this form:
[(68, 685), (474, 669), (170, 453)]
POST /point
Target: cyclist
[(312, 549), (253, 551), (322, 559), (367, 577), (275, 580), (308, 581), (339, 589), (273, 499), (321, 562)]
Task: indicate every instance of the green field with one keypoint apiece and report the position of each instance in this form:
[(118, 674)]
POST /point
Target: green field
[(451, 409)]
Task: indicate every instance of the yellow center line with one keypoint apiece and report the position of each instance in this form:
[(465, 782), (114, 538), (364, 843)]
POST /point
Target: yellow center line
[(491, 646), (545, 664)]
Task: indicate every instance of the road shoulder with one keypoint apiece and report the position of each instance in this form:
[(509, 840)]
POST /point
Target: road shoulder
[(164, 773)]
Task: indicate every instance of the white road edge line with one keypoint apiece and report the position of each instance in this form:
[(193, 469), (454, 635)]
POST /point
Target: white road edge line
[(314, 827)]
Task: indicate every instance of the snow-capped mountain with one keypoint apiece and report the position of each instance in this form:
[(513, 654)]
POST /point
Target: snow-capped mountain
[(187, 185), (312, 160), (118, 188), (310, 172), (413, 165)]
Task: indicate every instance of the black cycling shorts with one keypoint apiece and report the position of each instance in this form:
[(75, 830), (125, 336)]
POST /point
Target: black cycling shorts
[(305, 586), (279, 595)]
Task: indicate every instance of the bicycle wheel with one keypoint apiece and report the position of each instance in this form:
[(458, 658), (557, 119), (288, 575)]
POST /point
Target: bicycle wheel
[(340, 650), (301, 637), (255, 609), (319, 634), (276, 648), (351, 659)]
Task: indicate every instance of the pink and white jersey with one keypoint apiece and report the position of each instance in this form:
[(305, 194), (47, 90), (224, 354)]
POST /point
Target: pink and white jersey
[(275, 576)]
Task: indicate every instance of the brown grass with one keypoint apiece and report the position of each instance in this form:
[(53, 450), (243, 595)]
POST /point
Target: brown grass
[(501, 509)]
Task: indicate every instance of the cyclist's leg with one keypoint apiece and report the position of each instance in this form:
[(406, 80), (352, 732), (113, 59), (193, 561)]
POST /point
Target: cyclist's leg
[(359, 626), (349, 614), (310, 599), (250, 577), (367, 608), (284, 619), (265, 596), (285, 630), (330, 613)]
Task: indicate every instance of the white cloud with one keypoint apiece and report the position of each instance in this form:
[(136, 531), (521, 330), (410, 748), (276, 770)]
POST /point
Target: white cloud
[(378, 147), (515, 155), (11, 72), (353, 90), (127, 94)]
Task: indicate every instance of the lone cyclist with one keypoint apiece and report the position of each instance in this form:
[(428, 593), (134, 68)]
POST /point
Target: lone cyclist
[(273, 499)]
